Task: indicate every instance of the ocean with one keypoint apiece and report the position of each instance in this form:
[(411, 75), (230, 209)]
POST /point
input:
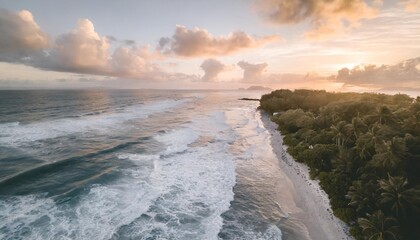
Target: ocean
[(136, 164)]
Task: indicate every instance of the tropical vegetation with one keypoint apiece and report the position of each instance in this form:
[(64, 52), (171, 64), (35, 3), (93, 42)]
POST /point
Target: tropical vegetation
[(364, 148)]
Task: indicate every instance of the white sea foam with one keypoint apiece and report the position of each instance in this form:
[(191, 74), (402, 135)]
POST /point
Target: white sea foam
[(97, 216), (196, 184), (16, 134), (139, 157), (256, 168), (178, 140), (10, 124), (271, 233), (179, 193)]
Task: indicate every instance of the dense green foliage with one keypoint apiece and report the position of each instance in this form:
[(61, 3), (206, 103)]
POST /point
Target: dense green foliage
[(365, 151)]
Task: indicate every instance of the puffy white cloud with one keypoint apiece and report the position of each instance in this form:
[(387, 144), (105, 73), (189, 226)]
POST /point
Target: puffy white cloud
[(327, 17), (406, 73), (20, 36), (133, 62), (253, 72), (199, 42), (81, 50), (212, 68)]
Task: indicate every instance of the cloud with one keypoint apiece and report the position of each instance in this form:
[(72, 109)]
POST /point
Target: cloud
[(211, 68), (327, 17), (20, 35), (403, 74), (81, 50), (200, 43), (294, 78), (411, 5), (133, 62), (253, 72)]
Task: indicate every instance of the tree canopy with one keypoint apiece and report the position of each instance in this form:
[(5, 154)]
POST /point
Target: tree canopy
[(365, 150)]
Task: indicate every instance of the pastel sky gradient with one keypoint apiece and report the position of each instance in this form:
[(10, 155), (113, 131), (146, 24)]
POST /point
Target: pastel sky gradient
[(336, 45)]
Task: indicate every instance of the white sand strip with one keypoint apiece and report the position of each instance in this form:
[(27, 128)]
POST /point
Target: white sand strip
[(316, 212)]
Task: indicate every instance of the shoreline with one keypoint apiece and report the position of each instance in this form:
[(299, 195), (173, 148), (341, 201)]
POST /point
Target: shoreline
[(316, 212)]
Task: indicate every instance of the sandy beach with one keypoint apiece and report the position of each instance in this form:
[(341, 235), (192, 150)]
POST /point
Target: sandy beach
[(313, 203)]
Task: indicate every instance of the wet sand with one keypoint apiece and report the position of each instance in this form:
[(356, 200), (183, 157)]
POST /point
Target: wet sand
[(313, 208)]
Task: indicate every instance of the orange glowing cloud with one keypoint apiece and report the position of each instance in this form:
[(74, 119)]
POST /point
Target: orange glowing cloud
[(403, 74), (200, 43), (327, 17)]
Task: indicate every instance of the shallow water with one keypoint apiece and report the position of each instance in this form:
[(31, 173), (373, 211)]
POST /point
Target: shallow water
[(138, 165)]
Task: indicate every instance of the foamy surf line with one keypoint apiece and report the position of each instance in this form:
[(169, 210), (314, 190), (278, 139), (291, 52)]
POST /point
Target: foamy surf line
[(179, 193), (309, 195), (254, 213), (195, 180), (97, 216), (15, 133)]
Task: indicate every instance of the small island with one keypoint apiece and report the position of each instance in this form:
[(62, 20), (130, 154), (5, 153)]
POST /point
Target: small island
[(256, 88), (363, 148)]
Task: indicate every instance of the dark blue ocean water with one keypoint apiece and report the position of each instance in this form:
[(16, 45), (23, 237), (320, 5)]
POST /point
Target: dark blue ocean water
[(133, 164)]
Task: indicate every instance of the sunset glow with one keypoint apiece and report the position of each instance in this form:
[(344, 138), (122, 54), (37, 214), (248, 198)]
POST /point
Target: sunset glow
[(210, 119), (198, 44)]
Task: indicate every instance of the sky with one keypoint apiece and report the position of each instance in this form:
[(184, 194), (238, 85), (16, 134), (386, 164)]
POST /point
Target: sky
[(337, 45)]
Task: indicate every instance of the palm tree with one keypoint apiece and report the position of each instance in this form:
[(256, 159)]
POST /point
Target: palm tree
[(366, 142), (412, 124), (359, 127), (396, 195), (375, 131), (362, 196), (365, 147), (343, 161), (329, 114), (390, 154), (379, 227), (342, 132), (383, 116)]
